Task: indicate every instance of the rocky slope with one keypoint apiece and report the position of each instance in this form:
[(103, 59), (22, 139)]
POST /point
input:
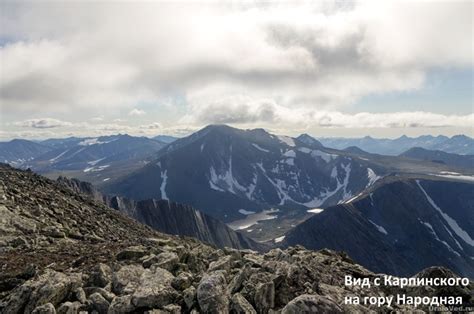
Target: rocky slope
[(64, 253), (400, 226), (170, 217)]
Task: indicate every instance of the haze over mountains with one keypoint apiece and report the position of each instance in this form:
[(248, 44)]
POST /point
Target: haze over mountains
[(281, 191)]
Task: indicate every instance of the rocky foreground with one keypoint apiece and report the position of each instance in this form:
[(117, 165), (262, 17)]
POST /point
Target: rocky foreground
[(61, 252)]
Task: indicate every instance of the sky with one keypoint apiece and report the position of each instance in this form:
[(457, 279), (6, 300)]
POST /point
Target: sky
[(327, 68)]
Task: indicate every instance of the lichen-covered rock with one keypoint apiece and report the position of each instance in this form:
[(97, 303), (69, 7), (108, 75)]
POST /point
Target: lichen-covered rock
[(98, 303), (212, 293), (120, 305), (100, 276), (132, 252), (265, 297), (47, 308), (154, 289), (127, 279), (307, 304), (240, 305), (69, 308), (166, 260)]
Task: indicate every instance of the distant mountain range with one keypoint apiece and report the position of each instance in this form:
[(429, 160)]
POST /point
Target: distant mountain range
[(459, 144), (461, 161), (95, 160), (399, 227)]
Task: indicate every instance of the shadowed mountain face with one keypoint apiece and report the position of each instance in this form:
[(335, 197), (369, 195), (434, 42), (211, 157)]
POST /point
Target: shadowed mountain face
[(170, 217), (399, 227), (459, 161), (459, 144)]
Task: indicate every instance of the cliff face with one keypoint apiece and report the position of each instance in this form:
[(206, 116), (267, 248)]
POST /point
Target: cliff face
[(62, 252), (170, 217)]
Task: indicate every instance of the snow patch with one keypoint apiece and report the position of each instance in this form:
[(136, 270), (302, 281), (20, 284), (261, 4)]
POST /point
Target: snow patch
[(253, 219), (106, 179), (291, 153), (323, 155), (305, 150), (287, 140), (164, 178), (315, 210), (260, 148), (279, 239), (372, 176), (58, 156), (93, 141), (95, 162), (246, 212), (94, 169), (379, 228)]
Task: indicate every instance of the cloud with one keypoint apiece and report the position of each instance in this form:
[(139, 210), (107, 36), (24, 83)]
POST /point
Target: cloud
[(242, 110), (136, 112), (324, 54), (45, 123)]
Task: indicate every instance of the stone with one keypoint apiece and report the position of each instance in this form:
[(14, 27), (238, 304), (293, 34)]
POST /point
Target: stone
[(47, 308), (223, 263), (98, 303), (120, 305), (265, 297), (69, 308), (166, 260), (127, 279), (240, 305), (311, 303), (154, 290), (182, 281), (212, 293), (101, 276), (132, 253), (189, 297)]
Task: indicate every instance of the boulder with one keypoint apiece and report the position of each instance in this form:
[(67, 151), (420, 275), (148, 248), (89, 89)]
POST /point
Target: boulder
[(265, 296), (98, 303), (47, 308), (182, 281), (69, 308), (240, 305), (121, 305), (166, 260), (212, 293), (311, 303), (132, 253), (100, 276), (154, 290), (127, 279)]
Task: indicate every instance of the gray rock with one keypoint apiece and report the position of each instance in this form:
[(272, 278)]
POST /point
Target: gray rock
[(121, 305), (265, 297), (240, 305), (47, 308), (223, 263), (212, 293), (182, 281), (166, 260), (311, 303), (132, 252), (69, 308), (100, 276), (154, 290), (127, 279), (98, 303), (189, 297)]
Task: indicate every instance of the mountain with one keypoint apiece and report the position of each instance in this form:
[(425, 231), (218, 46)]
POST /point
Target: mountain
[(308, 140), (231, 173), (95, 159), (170, 217), (399, 226), (459, 161), (62, 252), (17, 152), (459, 144), (165, 138), (255, 180)]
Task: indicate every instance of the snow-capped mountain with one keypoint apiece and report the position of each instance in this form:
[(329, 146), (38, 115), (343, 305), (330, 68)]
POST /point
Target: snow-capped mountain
[(458, 144), (95, 160), (17, 152), (249, 175), (222, 170), (399, 226)]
